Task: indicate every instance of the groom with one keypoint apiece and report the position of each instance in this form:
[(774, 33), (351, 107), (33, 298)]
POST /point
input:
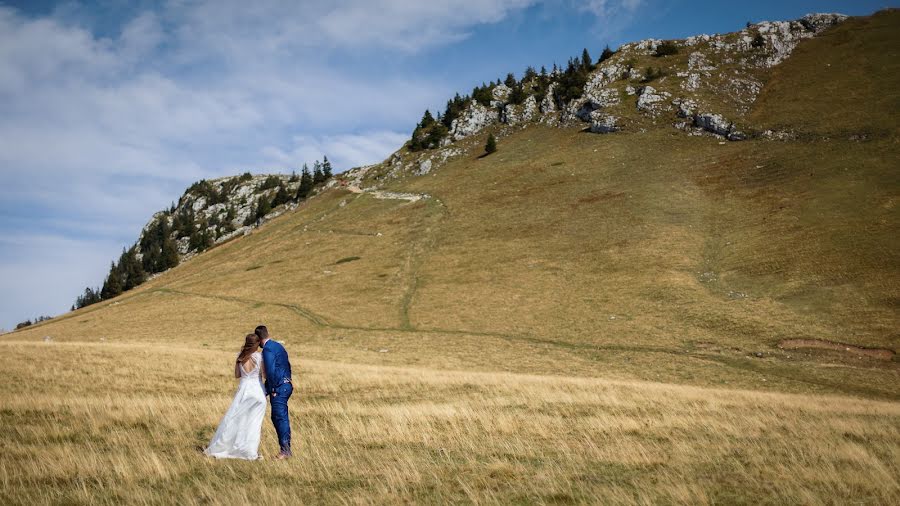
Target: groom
[(278, 387)]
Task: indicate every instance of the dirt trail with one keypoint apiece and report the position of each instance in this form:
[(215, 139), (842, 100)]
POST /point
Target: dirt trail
[(821, 344)]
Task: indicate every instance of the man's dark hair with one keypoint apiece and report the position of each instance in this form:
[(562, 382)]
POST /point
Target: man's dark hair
[(262, 332)]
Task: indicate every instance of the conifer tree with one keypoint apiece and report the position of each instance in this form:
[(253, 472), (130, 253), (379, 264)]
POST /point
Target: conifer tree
[(318, 175), (606, 54), (263, 207), (427, 119), (134, 271), (281, 197), (306, 183), (326, 165), (112, 286), (491, 145), (168, 255), (510, 81), (586, 62), (294, 178), (530, 74)]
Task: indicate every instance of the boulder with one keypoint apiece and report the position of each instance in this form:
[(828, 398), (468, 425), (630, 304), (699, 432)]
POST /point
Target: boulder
[(651, 101), (603, 123)]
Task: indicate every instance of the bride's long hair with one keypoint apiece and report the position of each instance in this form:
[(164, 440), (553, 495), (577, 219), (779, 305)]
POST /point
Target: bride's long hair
[(251, 344)]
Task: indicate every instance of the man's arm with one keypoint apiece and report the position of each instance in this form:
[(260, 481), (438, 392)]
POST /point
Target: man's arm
[(268, 366)]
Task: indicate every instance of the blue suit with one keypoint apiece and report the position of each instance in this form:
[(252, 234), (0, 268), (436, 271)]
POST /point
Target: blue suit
[(279, 388)]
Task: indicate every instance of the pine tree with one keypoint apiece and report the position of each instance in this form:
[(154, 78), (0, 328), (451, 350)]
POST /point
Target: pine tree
[(263, 207), (168, 255), (518, 95), (281, 197), (491, 145), (586, 61), (318, 175), (606, 54), (306, 183), (134, 271), (530, 74), (326, 165), (510, 81), (427, 119), (112, 286), (294, 178)]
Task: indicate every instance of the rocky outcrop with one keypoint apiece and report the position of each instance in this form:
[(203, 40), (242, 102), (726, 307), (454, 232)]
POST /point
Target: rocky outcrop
[(548, 103), (515, 114), (778, 38), (603, 123), (219, 209), (472, 120), (651, 101)]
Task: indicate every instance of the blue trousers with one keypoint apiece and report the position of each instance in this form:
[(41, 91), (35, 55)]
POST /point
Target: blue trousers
[(280, 416)]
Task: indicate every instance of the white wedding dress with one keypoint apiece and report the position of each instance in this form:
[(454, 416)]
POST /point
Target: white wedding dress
[(239, 431)]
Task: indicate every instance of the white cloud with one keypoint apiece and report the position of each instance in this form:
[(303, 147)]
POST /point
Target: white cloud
[(345, 151), (410, 26)]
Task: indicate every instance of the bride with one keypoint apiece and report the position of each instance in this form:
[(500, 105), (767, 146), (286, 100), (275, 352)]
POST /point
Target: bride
[(239, 431)]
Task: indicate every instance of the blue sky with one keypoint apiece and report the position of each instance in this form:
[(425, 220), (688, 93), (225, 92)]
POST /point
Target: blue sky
[(109, 109)]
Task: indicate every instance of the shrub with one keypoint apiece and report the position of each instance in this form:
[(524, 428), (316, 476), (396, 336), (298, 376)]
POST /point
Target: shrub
[(271, 182), (483, 94), (605, 55), (651, 73), (758, 41), (491, 145), (666, 49)]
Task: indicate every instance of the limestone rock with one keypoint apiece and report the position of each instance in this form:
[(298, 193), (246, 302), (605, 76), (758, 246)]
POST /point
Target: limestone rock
[(501, 94), (548, 104), (603, 123), (717, 124), (651, 101), (473, 118)]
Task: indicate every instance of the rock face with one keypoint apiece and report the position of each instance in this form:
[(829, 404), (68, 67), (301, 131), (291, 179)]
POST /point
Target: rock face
[(472, 120), (779, 38)]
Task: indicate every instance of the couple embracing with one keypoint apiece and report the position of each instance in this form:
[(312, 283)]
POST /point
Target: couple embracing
[(239, 431)]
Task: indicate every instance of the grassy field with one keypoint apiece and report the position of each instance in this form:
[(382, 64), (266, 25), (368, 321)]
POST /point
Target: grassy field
[(575, 318), (107, 424)]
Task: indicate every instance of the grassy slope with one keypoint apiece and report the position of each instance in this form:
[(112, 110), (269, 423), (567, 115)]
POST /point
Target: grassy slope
[(620, 257)]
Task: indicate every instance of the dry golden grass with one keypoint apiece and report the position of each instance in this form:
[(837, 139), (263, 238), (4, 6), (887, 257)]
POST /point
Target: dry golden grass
[(105, 424)]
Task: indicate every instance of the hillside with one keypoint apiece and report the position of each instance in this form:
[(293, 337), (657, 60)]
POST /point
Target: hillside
[(591, 245), (725, 249)]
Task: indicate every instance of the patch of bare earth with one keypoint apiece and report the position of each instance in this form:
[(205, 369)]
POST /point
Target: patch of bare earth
[(821, 344)]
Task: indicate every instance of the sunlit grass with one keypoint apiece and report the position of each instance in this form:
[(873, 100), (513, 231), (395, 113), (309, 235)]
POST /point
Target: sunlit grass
[(125, 424)]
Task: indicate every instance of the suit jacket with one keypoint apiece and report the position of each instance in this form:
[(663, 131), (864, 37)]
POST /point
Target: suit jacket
[(278, 367)]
